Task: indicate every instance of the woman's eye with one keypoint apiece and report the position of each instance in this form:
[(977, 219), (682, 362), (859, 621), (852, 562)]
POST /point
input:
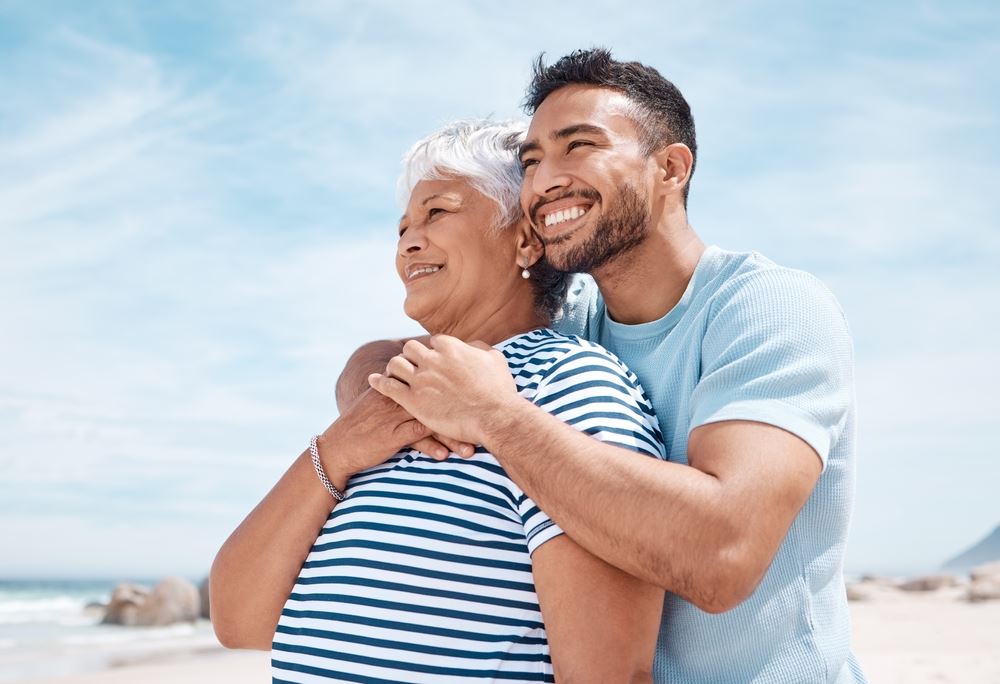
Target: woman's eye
[(434, 211), (525, 163)]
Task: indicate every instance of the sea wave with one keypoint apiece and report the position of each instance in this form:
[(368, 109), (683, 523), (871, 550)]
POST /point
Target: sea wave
[(130, 635), (66, 610)]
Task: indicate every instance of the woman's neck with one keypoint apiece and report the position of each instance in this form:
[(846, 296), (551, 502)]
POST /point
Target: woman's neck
[(492, 324)]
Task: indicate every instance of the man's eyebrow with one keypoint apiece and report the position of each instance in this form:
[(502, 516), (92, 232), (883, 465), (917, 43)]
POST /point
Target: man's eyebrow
[(579, 128), (527, 146), (562, 133)]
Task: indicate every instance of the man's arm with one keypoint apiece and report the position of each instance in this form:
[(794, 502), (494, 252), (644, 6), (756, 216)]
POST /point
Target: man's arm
[(368, 358), (774, 393), (706, 533)]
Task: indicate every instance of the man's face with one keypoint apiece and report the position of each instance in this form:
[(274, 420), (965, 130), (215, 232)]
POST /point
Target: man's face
[(587, 183)]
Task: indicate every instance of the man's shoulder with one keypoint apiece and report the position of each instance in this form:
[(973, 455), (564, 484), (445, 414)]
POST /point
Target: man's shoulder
[(583, 304), (751, 280)]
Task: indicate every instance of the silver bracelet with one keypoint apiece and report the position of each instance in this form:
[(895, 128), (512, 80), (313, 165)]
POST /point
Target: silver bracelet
[(314, 453)]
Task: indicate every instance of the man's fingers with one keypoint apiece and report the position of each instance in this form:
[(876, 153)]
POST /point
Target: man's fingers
[(443, 341), (461, 448), (401, 369), (433, 448), (415, 351)]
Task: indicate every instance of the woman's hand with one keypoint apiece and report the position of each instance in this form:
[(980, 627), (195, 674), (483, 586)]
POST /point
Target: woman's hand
[(372, 429)]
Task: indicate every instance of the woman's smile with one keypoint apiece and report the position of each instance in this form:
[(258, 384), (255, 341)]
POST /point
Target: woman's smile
[(416, 271)]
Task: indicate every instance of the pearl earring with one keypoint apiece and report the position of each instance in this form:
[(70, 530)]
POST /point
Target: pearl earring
[(525, 273)]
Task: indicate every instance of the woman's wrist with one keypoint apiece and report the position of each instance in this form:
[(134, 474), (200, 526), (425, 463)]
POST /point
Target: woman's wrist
[(328, 447)]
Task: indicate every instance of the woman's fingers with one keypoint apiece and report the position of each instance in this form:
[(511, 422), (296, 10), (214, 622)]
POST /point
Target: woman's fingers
[(433, 448), (440, 448), (461, 448)]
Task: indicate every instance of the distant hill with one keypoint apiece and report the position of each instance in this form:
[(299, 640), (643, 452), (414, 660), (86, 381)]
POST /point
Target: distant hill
[(983, 552)]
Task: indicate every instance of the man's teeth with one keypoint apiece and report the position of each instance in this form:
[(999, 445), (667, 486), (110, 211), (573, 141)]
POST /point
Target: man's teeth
[(564, 215), (423, 269)]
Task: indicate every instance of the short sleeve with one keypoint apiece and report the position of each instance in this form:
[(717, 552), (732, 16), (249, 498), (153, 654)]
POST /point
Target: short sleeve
[(538, 527), (777, 350), (590, 389)]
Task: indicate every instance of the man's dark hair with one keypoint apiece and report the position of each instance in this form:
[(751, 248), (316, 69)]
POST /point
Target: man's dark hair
[(662, 114)]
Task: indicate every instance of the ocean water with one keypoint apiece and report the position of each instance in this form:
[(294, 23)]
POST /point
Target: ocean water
[(46, 631)]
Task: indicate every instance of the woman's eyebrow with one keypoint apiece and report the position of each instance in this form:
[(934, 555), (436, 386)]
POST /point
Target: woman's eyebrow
[(443, 195)]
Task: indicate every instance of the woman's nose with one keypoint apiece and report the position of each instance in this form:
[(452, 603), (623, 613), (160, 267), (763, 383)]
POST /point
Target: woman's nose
[(412, 241)]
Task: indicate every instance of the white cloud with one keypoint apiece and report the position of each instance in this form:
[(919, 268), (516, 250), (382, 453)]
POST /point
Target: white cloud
[(189, 256)]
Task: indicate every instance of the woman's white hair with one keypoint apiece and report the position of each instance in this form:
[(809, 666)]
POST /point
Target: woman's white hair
[(483, 152)]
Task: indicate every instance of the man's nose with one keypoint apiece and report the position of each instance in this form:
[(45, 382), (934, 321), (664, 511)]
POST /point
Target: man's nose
[(547, 177)]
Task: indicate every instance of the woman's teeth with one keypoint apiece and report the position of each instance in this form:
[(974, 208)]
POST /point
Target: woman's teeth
[(562, 215), (422, 270)]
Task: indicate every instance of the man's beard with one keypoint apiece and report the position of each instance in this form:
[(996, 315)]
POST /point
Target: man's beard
[(621, 229)]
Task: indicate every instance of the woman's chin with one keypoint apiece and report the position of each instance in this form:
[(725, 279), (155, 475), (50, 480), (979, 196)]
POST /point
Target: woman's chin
[(415, 310)]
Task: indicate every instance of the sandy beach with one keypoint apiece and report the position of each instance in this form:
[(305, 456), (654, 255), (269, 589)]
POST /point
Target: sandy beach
[(899, 637)]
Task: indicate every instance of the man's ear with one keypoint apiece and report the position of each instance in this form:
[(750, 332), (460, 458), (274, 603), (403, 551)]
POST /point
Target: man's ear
[(673, 164), (528, 245)]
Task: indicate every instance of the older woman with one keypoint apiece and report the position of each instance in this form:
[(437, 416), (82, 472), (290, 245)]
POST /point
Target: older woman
[(439, 568)]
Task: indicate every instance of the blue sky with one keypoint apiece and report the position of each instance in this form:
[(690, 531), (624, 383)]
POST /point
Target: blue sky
[(197, 218)]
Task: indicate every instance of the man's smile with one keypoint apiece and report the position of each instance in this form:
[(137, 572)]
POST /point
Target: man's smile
[(563, 215)]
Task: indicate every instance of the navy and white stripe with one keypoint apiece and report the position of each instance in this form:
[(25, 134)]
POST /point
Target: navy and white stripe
[(423, 574)]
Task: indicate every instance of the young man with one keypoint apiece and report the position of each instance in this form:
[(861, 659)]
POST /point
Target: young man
[(748, 364)]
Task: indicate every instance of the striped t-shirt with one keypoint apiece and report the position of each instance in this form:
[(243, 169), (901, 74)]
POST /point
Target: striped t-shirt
[(423, 574)]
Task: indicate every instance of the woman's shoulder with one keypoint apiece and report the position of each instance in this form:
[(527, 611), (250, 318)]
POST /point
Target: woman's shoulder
[(543, 351), (547, 344)]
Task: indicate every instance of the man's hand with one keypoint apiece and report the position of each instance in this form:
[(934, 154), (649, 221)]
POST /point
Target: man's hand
[(372, 429), (452, 387)]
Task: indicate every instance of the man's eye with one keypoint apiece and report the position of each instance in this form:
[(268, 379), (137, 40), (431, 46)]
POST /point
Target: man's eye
[(579, 143)]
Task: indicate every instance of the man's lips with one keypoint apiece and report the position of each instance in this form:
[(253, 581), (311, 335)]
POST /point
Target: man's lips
[(564, 209), (555, 218)]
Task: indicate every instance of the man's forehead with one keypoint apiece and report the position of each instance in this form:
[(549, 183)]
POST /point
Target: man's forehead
[(579, 104)]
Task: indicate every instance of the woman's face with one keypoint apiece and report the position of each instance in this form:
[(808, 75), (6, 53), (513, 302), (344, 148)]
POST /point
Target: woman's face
[(449, 257)]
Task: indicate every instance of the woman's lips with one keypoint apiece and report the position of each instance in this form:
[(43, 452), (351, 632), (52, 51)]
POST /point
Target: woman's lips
[(418, 271)]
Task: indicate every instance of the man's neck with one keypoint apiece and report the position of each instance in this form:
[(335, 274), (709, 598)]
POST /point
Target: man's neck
[(646, 282)]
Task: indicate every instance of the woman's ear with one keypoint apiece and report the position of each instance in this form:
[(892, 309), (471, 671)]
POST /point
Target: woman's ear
[(528, 245)]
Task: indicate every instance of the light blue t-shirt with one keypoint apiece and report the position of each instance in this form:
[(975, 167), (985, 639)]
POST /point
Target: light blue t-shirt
[(751, 340)]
